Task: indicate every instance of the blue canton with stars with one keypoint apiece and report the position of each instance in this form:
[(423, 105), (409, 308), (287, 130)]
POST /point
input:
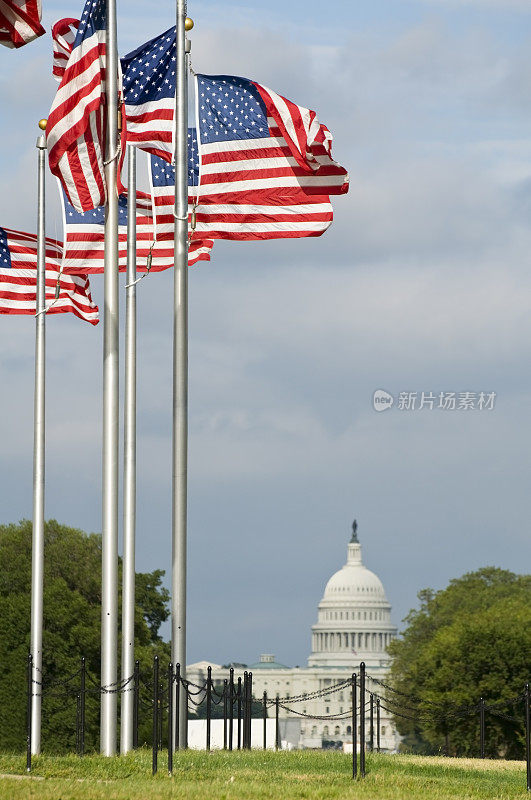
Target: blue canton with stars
[(93, 19), (149, 71), (5, 255), (163, 174), (230, 108), (96, 216)]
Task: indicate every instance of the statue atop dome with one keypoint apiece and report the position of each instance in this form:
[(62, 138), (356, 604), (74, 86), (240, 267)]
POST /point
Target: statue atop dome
[(354, 539)]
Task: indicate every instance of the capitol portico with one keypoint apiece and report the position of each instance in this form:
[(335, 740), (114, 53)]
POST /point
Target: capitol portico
[(353, 625)]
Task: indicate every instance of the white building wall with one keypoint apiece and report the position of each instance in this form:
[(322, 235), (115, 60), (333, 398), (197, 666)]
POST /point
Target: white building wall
[(304, 680)]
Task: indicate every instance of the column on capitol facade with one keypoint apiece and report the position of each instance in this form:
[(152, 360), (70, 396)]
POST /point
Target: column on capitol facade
[(353, 625)]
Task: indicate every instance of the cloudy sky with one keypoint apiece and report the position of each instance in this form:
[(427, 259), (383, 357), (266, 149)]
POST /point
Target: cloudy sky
[(422, 284)]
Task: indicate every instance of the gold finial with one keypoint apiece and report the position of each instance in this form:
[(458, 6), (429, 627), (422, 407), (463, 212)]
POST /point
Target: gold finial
[(42, 124), (188, 24)]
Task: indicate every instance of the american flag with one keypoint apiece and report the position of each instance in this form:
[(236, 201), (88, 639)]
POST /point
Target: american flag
[(265, 164), (149, 95), (18, 279), (63, 37), (84, 239), (20, 22), (76, 123), (240, 214)]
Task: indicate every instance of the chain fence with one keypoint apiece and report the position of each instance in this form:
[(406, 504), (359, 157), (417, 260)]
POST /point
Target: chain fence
[(159, 701)]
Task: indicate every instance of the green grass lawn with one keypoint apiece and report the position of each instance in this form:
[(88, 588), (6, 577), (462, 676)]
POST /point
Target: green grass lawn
[(256, 775)]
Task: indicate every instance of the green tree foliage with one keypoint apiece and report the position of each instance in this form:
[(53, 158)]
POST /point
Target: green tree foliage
[(72, 596), (468, 641)]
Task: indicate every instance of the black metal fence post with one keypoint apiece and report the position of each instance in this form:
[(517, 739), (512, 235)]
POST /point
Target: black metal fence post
[(244, 711), (170, 718), (136, 702), (481, 728), (186, 699), (83, 695), (527, 738), (161, 713), (231, 706), (378, 724), (239, 710), (250, 712), (155, 749), (78, 723), (177, 705), (277, 723), (354, 727), (247, 708), (264, 710), (362, 719), (371, 726), (28, 711), (225, 706), (208, 706)]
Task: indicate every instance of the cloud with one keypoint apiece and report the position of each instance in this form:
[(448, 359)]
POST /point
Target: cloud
[(288, 357)]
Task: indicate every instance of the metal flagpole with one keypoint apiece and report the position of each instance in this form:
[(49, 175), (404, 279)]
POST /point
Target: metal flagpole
[(109, 556), (180, 368), (37, 548), (128, 565)]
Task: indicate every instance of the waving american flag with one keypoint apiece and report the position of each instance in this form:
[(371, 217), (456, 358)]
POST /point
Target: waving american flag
[(20, 22), (263, 166), (76, 123), (18, 279), (253, 142)]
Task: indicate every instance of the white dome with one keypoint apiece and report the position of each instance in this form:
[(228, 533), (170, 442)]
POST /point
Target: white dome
[(354, 582), (354, 617)]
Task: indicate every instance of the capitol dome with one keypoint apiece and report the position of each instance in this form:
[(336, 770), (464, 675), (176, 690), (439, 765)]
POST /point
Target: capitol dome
[(354, 580), (354, 616)]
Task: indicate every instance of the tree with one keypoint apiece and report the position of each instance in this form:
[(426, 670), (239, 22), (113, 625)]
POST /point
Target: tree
[(71, 629), (469, 641)]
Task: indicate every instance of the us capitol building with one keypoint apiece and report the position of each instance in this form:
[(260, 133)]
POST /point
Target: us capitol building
[(353, 625)]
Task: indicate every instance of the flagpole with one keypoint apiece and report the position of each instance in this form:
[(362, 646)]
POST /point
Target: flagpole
[(109, 556), (128, 565), (39, 432), (180, 368)]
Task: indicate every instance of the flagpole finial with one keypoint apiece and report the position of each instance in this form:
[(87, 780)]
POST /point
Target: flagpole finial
[(42, 124), (188, 24)]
